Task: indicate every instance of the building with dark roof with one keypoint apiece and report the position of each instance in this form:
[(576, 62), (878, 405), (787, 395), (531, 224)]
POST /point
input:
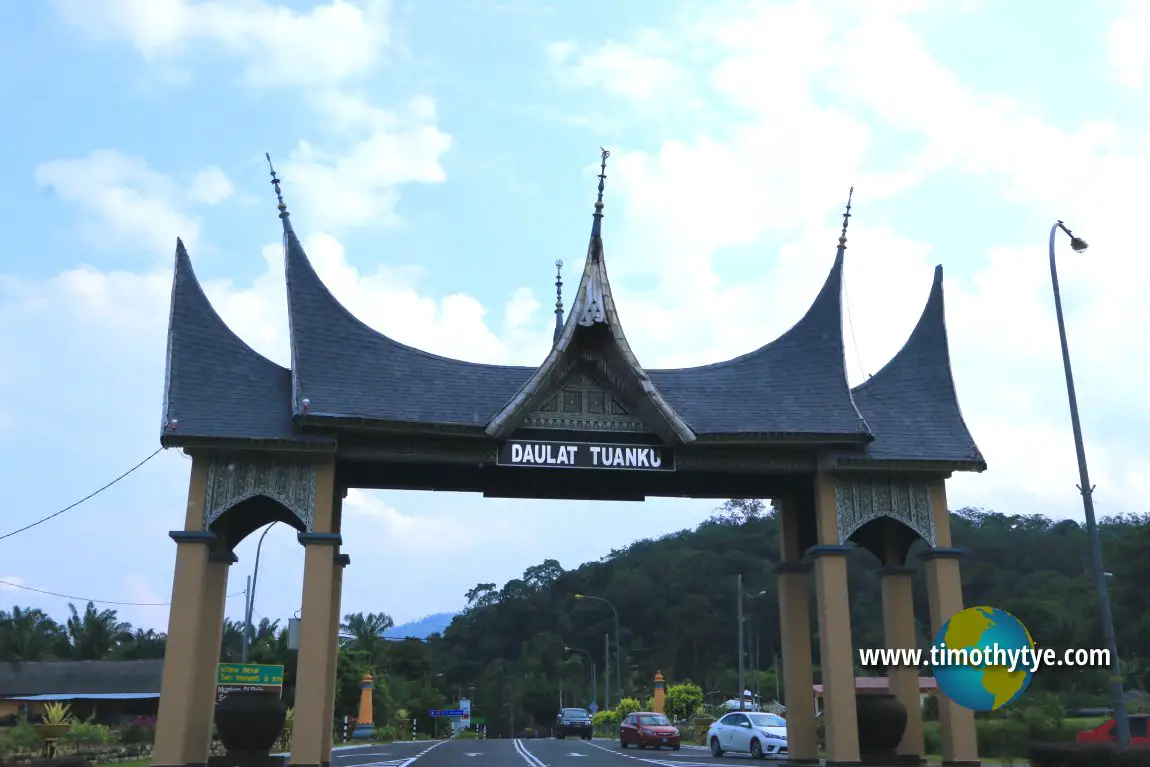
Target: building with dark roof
[(106, 688), (845, 466)]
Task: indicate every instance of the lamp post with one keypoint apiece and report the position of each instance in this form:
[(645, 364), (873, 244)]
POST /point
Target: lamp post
[(1121, 720), (618, 650), (594, 681), (252, 598)]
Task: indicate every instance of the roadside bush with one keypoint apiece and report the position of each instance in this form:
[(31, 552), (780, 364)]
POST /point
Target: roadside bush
[(84, 735), (19, 740), (141, 729), (385, 733), (1087, 755)]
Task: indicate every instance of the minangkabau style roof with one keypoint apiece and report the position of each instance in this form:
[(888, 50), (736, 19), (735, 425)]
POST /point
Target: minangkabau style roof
[(347, 376)]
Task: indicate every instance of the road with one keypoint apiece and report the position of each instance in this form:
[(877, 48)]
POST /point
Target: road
[(526, 753)]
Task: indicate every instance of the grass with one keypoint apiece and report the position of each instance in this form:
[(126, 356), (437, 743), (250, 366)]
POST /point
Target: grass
[(133, 763)]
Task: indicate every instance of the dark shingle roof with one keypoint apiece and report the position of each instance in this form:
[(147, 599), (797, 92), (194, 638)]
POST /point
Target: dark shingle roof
[(346, 369), (794, 385), (85, 677), (216, 386), (911, 404)]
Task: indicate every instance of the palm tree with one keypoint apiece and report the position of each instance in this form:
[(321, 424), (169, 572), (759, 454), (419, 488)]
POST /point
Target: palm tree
[(365, 632), (95, 634), (232, 640), (27, 635), (143, 645)]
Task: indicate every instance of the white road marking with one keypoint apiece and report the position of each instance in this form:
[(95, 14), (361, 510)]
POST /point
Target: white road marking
[(403, 762), (528, 757)]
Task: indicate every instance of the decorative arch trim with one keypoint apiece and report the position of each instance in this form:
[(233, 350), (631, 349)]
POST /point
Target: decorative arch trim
[(290, 484), (861, 500)]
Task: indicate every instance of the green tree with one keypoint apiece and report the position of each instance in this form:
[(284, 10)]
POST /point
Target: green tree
[(683, 700)]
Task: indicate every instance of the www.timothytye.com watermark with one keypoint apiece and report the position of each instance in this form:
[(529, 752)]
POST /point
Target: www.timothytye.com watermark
[(1030, 658)]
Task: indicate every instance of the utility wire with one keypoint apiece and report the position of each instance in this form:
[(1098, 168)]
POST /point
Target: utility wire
[(77, 503), (97, 601)]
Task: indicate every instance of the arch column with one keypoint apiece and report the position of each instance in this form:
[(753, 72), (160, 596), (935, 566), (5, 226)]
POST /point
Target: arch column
[(341, 561), (795, 619), (899, 634), (944, 590), (317, 639), (195, 626), (836, 649)]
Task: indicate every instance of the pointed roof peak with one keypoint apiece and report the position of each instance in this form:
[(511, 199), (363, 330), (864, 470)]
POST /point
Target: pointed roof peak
[(282, 206), (558, 300), (846, 221), (597, 216)]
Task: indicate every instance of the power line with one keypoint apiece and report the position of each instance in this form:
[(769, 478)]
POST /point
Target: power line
[(97, 601), (77, 503)]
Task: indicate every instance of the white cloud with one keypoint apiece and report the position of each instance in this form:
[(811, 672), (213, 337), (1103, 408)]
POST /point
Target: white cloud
[(359, 185), (326, 46), (1129, 54), (125, 200), (765, 170), (210, 186)]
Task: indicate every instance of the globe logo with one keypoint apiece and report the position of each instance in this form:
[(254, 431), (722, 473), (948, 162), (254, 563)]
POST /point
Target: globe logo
[(982, 658)]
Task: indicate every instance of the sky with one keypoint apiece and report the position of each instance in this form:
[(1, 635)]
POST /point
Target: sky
[(438, 158)]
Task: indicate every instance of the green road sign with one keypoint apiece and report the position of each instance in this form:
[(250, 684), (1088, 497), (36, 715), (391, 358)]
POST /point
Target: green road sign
[(250, 674), (478, 720)]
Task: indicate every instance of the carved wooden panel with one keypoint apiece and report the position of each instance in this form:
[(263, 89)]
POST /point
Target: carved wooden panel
[(581, 404), (861, 500), (290, 484)]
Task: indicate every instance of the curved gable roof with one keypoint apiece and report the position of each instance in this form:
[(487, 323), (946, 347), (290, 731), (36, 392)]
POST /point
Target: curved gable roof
[(346, 369), (796, 384), (215, 385), (911, 403)]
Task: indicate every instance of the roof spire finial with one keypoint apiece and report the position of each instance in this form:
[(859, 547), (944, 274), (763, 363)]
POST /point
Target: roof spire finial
[(846, 219), (279, 195), (602, 177), (597, 225), (558, 299)]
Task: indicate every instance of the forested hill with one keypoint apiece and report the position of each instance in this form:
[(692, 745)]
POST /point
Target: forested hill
[(675, 598)]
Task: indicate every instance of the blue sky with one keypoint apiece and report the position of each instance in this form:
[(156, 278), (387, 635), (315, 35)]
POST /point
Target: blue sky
[(437, 158)]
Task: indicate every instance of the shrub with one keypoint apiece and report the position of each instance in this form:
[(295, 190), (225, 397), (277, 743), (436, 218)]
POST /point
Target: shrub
[(468, 735), (627, 706), (1087, 755), (86, 735), (21, 739), (57, 713), (385, 733), (142, 729)]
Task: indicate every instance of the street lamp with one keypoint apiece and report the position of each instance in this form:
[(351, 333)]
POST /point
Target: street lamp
[(618, 650), (594, 680), (250, 607), (1121, 720)]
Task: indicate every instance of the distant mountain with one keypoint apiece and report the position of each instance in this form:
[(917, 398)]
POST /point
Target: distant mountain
[(422, 628)]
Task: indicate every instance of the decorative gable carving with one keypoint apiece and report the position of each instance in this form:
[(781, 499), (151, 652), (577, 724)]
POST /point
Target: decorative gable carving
[(581, 404)]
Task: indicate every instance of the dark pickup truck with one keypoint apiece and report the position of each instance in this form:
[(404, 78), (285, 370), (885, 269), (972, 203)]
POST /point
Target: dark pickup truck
[(575, 722)]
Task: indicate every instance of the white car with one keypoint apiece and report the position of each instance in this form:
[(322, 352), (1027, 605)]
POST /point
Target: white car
[(749, 732)]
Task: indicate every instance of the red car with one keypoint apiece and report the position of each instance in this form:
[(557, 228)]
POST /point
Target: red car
[(1105, 731), (646, 728)]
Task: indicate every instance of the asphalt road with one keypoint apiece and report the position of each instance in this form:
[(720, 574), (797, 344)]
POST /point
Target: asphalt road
[(527, 753)]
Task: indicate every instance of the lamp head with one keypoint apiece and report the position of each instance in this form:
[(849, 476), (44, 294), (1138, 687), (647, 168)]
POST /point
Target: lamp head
[(579, 596), (1077, 244)]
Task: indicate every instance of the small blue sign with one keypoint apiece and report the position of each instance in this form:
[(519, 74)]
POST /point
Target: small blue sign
[(446, 712), (594, 708)]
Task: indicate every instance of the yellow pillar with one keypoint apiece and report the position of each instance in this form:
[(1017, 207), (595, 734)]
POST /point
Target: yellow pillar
[(341, 561), (898, 632), (179, 722), (660, 693), (364, 722), (794, 612), (836, 656), (944, 590), (316, 636), (211, 627)]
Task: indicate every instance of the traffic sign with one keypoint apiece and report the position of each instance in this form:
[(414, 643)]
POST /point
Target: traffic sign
[(250, 674), (478, 720), (594, 708), (445, 712)]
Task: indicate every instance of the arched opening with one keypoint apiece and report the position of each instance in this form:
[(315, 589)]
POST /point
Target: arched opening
[(244, 518), (889, 539)]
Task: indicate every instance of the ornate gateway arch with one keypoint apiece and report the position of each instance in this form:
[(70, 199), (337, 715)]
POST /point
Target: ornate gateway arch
[(864, 466)]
